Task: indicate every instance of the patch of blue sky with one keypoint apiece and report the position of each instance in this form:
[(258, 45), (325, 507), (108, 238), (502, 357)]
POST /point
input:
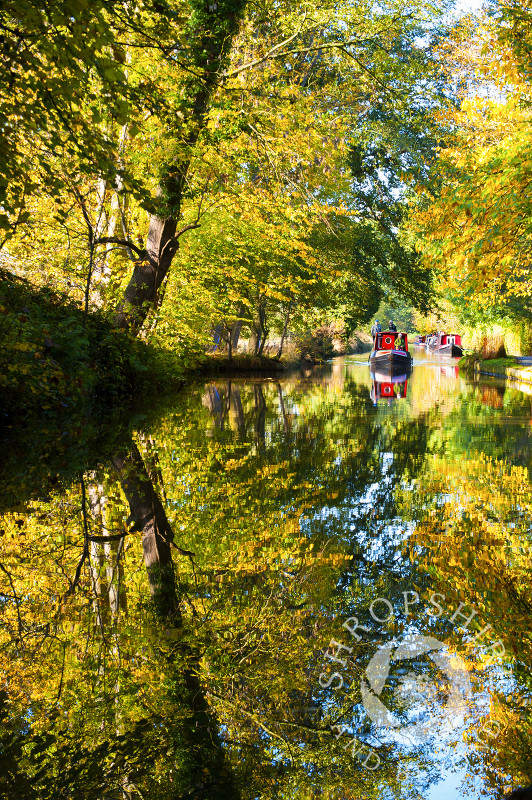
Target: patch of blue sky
[(468, 6)]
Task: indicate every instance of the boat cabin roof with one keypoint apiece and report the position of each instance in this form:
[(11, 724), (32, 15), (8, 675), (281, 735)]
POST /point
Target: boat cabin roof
[(454, 336)]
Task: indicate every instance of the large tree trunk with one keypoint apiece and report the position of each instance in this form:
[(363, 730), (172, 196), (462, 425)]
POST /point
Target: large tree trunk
[(211, 29), (148, 275), (254, 341), (237, 327), (235, 334)]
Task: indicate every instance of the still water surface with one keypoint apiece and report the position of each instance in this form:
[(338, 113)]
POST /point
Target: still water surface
[(344, 610)]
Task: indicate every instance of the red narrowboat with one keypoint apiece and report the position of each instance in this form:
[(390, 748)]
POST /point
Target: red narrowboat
[(446, 344), (390, 352), (420, 341)]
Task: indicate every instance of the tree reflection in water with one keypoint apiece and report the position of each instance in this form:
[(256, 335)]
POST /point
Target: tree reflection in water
[(165, 614)]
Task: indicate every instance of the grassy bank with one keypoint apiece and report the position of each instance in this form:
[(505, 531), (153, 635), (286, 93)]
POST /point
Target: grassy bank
[(508, 368)]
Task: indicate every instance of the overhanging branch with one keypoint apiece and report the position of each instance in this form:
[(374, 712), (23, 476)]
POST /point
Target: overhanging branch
[(278, 50), (122, 243)]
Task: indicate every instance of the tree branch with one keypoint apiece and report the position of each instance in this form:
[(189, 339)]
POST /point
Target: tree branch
[(85, 552), (263, 58), (187, 228), (277, 52), (122, 242), (369, 71)]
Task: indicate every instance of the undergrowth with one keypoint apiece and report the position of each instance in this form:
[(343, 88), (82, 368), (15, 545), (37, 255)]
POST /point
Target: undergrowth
[(52, 357)]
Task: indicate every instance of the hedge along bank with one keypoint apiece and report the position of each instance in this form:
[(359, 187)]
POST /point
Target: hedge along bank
[(395, 653)]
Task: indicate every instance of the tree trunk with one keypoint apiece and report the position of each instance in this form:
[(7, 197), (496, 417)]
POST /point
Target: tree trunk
[(230, 344), (260, 410), (237, 327), (150, 519), (106, 223), (282, 407), (210, 33), (283, 335), (238, 412), (254, 342), (263, 331), (97, 501), (148, 274)]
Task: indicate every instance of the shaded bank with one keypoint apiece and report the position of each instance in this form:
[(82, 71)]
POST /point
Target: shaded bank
[(241, 363), (55, 357)]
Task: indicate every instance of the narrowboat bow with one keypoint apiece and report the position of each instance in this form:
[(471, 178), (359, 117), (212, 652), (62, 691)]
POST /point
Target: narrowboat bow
[(387, 356)]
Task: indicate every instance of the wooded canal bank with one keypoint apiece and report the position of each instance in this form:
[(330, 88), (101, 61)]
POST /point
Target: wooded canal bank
[(55, 359)]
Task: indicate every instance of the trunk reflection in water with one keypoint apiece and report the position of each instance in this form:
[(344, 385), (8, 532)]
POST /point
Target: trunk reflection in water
[(179, 623)]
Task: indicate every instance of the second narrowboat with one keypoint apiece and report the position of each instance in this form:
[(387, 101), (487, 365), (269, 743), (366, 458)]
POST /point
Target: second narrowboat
[(446, 344)]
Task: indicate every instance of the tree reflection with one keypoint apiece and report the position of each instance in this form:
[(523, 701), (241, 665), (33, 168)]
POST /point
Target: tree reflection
[(165, 615)]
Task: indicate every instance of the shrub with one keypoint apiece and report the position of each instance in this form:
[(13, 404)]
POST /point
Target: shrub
[(313, 347)]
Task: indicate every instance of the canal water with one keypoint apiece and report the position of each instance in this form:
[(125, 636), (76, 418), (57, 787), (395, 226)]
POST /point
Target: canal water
[(344, 611)]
